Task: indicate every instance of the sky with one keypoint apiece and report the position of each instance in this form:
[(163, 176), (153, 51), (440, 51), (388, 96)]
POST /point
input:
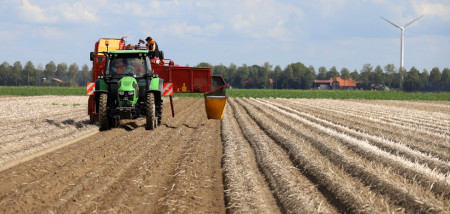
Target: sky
[(341, 33)]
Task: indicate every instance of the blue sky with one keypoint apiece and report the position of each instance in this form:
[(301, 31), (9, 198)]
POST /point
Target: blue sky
[(341, 33)]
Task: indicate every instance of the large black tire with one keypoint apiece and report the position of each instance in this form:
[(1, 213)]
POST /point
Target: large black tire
[(152, 121), (159, 110), (103, 113)]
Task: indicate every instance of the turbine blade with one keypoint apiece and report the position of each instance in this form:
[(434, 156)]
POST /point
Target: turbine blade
[(391, 22), (412, 21)]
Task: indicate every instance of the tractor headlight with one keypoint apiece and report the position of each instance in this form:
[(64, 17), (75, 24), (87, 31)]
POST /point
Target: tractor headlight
[(121, 93), (131, 93)]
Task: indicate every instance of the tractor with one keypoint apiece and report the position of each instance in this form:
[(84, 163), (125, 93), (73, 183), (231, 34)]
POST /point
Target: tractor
[(129, 82)]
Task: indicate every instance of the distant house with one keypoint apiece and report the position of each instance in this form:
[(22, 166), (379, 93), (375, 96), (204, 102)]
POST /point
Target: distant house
[(335, 84), (57, 80), (377, 87)]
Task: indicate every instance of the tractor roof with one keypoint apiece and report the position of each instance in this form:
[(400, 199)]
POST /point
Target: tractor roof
[(128, 51)]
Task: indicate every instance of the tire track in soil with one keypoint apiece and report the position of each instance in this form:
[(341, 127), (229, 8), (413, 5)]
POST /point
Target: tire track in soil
[(122, 165), (107, 163)]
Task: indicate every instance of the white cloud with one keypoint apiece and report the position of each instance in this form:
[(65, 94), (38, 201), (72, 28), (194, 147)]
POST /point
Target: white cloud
[(35, 14), (262, 18), (433, 9), (50, 33), (183, 29), (328, 7), (8, 35), (77, 12)]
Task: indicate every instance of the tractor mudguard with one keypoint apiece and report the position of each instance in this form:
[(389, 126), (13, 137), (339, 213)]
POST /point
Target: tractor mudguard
[(101, 85), (155, 84)]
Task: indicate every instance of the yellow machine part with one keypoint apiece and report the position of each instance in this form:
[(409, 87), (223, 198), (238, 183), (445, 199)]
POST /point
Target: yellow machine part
[(215, 106), (113, 45)]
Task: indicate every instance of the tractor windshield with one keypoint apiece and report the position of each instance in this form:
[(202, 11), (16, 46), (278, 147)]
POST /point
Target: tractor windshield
[(128, 66)]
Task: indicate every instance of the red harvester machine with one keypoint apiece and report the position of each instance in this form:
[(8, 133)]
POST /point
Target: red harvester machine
[(172, 79)]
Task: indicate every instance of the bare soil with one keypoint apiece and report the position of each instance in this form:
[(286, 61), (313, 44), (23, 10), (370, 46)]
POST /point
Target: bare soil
[(266, 156), (175, 168), (347, 156)]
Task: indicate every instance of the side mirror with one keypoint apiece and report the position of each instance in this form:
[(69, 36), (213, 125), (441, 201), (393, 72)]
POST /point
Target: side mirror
[(92, 55)]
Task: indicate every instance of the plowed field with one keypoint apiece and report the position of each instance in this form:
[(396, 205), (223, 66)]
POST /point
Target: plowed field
[(175, 168), (265, 156)]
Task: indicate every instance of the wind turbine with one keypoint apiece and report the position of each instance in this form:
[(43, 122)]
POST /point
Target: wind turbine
[(402, 43)]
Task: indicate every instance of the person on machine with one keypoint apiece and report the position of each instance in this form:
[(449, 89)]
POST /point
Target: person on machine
[(152, 46)]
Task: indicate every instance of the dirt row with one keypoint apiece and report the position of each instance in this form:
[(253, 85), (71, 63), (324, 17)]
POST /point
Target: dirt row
[(342, 164), (176, 168)]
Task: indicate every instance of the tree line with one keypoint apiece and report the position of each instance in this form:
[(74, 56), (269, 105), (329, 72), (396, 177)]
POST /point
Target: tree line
[(29, 75), (298, 76), (266, 76)]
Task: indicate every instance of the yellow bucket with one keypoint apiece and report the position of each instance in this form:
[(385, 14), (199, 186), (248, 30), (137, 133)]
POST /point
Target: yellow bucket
[(215, 106)]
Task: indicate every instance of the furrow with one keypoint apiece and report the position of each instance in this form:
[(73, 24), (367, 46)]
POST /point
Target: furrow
[(294, 191), (398, 195), (245, 188), (422, 144), (394, 148)]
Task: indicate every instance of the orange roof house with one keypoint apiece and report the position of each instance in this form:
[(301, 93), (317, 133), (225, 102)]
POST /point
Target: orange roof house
[(335, 83), (344, 83)]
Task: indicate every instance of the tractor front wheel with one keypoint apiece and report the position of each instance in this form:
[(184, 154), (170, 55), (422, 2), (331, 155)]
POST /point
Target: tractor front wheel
[(103, 113), (151, 112)]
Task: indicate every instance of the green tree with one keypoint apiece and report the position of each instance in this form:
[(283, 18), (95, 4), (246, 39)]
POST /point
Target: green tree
[(231, 72), (85, 75), (364, 76), (378, 75), (354, 75), (242, 76), (28, 74), (402, 74), (322, 73), (445, 79), (204, 64), (308, 78), (17, 72), (5, 71), (73, 72), (219, 69), (267, 67), (435, 78), (50, 70), (345, 73), (424, 76), (332, 73), (412, 80), (278, 76), (39, 74), (288, 75), (390, 76), (61, 70), (252, 76)]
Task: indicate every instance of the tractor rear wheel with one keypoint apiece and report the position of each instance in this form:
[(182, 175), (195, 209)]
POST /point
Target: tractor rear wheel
[(103, 113), (150, 112), (159, 110)]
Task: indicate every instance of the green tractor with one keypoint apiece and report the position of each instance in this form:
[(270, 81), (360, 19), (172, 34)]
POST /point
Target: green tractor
[(128, 89)]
